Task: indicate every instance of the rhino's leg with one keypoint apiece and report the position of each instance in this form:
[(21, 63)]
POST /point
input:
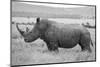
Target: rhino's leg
[(86, 47), (52, 46), (85, 43)]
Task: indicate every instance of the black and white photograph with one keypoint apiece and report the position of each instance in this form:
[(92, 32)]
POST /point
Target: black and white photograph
[(52, 33)]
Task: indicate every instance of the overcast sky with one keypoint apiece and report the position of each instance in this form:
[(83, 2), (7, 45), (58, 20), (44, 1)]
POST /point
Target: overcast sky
[(50, 10), (54, 5)]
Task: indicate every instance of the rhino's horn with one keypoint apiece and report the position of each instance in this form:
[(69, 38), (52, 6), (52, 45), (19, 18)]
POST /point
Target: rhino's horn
[(21, 32)]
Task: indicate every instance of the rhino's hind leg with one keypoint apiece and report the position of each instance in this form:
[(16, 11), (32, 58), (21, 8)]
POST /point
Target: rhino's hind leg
[(85, 42), (85, 46)]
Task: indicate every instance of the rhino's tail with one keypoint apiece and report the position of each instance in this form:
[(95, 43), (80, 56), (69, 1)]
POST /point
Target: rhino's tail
[(91, 43)]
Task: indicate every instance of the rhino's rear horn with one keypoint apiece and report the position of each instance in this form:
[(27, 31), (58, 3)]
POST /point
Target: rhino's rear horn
[(21, 32)]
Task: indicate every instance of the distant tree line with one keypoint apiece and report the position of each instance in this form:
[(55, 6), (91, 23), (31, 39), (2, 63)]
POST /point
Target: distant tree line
[(87, 17)]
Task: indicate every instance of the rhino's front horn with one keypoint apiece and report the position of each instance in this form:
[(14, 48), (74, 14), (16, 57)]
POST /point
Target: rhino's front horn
[(21, 32)]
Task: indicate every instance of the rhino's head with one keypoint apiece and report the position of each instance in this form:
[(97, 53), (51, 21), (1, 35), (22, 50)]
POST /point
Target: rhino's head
[(35, 33)]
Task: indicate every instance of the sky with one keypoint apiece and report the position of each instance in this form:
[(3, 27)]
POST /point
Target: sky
[(49, 10), (54, 5)]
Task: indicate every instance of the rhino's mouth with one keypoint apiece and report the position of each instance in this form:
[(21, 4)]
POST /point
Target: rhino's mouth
[(31, 39), (26, 40)]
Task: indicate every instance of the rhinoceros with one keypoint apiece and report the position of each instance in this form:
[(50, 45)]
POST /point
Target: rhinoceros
[(58, 35)]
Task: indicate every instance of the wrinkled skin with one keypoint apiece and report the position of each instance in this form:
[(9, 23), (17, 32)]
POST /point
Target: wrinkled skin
[(58, 35)]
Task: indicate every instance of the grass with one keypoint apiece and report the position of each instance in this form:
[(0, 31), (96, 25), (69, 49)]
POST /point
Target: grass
[(37, 52)]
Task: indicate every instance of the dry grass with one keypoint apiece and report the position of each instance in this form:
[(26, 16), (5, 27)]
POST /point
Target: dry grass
[(37, 52)]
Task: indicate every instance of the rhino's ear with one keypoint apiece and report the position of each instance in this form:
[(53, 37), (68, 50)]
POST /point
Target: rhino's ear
[(38, 20)]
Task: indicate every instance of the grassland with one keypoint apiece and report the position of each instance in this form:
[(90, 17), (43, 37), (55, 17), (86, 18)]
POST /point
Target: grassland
[(35, 53)]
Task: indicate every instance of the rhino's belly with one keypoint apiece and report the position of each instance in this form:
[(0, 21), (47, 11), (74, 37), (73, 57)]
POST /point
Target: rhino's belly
[(69, 39), (68, 42)]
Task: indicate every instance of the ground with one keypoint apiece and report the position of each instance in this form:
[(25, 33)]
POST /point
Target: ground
[(35, 53)]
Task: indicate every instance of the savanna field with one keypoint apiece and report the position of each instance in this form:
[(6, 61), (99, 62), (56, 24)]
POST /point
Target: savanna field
[(23, 53)]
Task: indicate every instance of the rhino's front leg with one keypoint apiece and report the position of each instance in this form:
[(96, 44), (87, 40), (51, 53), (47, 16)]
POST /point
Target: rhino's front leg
[(53, 46)]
